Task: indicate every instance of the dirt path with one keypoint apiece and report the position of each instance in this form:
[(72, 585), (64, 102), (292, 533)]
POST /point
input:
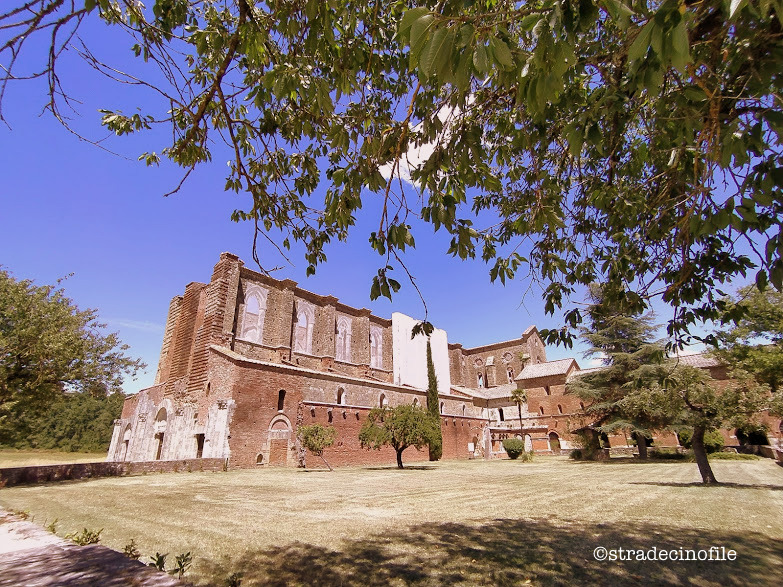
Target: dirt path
[(33, 557)]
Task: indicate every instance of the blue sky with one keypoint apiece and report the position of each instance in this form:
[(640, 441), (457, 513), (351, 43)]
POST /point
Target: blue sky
[(70, 207)]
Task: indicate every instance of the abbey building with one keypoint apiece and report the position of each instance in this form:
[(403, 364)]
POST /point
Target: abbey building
[(247, 358)]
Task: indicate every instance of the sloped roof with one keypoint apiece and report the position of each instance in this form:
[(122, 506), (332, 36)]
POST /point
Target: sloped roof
[(560, 367), (497, 392), (580, 372), (702, 360)]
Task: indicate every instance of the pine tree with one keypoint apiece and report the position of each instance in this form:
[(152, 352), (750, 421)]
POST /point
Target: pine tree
[(632, 360)]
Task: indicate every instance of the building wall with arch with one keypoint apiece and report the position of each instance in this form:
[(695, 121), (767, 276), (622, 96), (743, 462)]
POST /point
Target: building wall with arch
[(230, 346)]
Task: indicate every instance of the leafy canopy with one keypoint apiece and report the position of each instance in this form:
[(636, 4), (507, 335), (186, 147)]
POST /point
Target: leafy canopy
[(400, 427), (48, 347), (316, 438), (755, 344), (630, 142)]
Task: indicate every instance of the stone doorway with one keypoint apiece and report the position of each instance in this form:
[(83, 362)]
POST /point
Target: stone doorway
[(554, 442), (279, 442)]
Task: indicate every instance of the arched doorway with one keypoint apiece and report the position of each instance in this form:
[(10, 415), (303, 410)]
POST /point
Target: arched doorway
[(554, 442), (160, 432), (528, 443), (125, 443), (279, 439)]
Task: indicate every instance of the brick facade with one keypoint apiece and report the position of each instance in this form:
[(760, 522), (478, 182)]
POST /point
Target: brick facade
[(246, 358)]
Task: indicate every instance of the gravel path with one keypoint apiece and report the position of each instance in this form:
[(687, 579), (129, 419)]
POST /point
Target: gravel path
[(33, 557)]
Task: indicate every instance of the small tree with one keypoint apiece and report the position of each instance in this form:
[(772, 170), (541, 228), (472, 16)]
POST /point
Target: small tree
[(689, 398), (519, 397), (436, 444), (398, 427), (316, 438)]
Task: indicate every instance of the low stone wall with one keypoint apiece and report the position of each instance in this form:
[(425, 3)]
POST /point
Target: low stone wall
[(65, 472), (769, 452)]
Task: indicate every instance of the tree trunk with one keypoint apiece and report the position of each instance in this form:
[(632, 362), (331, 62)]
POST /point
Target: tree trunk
[(641, 443), (697, 442), (519, 407), (399, 458), (325, 461)]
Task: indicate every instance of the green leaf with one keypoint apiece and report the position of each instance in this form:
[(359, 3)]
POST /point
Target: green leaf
[(502, 53), (462, 77), (410, 16), (419, 31), (761, 280), (480, 59), (437, 53), (776, 275), (681, 54), (641, 43)]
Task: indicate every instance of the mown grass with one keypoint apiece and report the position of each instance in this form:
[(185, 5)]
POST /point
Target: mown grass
[(463, 523), (11, 457)]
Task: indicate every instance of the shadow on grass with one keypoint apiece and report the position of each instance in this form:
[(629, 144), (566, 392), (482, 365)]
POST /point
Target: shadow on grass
[(508, 552), (396, 468), (700, 484)]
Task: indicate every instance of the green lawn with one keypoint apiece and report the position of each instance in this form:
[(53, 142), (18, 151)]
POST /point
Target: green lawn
[(11, 457), (464, 523)]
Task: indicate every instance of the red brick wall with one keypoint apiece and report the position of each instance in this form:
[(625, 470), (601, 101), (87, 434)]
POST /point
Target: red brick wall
[(255, 392)]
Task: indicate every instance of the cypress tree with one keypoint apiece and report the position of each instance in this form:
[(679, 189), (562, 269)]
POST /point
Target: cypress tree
[(436, 445)]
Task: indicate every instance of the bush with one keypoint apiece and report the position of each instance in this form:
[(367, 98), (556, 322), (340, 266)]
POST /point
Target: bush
[(733, 456), (576, 454), (85, 537), (713, 439), (526, 456), (668, 454), (514, 447)]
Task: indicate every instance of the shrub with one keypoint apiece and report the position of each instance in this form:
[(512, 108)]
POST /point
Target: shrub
[(514, 447), (131, 551), (158, 561), (713, 439), (85, 537), (526, 456), (733, 456), (668, 454), (576, 454), (182, 563)]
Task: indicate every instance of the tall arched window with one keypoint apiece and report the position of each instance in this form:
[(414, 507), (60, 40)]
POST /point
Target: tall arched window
[(253, 312), (342, 397), (510, 374), (541, 410), (280, 400), (303, 332), (502, 416), (559, 408), (480, 380), (383, 401), (415, 402), (343, 342), (376, 347), (548, 390)]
